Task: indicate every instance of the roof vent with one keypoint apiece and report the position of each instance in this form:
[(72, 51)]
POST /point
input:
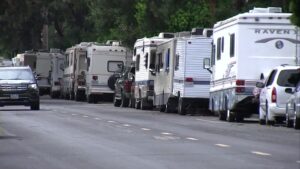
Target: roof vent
[(266, 10), (207, 32), (197, 31), (166, 35)]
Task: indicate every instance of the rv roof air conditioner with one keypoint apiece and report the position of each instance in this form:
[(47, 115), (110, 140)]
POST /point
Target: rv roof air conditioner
[(166, 35), (84, 44), (197, 31), (207, 32), (266, 10)]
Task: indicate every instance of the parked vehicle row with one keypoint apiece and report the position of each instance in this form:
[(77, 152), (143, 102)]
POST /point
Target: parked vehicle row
[(245, 50)]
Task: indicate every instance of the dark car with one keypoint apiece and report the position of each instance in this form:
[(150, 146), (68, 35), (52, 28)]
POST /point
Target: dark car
[(18, 86), (123, 88)]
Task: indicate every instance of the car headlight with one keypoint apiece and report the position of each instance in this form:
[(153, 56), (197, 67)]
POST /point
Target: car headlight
[(32, 86)]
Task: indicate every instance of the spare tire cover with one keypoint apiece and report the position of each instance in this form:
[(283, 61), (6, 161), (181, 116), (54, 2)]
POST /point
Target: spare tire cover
[(111, 81)]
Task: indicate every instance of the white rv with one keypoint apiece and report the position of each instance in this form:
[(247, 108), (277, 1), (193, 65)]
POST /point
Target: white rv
[(144, 56), (40, 63), (191, 83), (103, 61), (246, 48), (56, 73), (74, 84)]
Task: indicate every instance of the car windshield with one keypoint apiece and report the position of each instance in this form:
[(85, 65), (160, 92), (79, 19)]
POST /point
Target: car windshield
[(15, 74), (285, 77)]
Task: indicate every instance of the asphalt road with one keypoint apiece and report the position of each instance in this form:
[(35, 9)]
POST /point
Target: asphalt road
[(72, 135)]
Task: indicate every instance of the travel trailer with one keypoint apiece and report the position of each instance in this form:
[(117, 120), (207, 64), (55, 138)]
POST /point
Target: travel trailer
[(103, 62), (144, 55), (74, 84), (191, 83), (56, 73), (246, 48), (39, 62)]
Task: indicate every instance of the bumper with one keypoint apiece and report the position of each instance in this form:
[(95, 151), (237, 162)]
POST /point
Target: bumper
[(277, 111), (99, 90), (22, 99)]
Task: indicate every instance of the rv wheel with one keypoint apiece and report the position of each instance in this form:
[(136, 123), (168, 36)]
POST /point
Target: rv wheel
[(222, 115), (230, 116), (296, 121), (181, 107), (111, 81), (162, 108)]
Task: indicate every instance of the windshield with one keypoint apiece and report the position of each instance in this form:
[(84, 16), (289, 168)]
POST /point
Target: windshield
[(15, 74), (286, 76)]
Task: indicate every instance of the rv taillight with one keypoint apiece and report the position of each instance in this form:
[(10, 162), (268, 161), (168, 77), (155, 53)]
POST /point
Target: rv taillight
[(240, 82), (95, 77), (189, 79), (239, 89), (274, 95)]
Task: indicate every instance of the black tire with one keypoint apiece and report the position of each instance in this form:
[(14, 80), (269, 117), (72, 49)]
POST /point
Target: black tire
[(230, 116), (222, 115), (262, 121), (111, 81), (90, 98), (124, 101), (137, 104), (181, 107), (144, 104), (239, 117), (162, 108), (117, 102), (35, 106)]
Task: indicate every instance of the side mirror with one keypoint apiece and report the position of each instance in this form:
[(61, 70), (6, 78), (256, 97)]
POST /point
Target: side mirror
[(289, 90), (206, 64), (260, 84)]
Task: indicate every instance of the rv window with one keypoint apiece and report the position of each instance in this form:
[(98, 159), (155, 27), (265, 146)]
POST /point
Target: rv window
[(177, 62), (134, 51), (167, 60), (88, 63), (152, 60), (213, 55), (222, 44), (114, 66), (71, 58), (160, 61), (137, 63), (219, 49), (232, 45), (146, 61)]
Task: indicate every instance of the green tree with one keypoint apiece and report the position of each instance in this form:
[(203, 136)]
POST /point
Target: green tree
[(295, 9)]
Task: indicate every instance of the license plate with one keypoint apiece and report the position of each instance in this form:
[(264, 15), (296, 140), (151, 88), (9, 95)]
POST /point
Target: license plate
[(14, 96)]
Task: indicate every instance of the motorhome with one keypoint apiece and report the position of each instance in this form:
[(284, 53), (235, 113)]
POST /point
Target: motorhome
[(144, 55), (56, 72), (39, 62), (103, 62), (74, 84), (246, 48)]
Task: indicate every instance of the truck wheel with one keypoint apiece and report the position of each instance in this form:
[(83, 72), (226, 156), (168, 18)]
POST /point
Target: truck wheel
[(181, 107), (143, 104), (90, 98), (35, 106), (124, 101), (289, 122), (222, 115), (162, 108)]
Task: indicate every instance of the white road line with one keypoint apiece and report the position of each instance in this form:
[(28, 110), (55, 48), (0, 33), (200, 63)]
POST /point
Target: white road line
[(260, 153), (126, 125), (210, 121), (145, 129), (191, 138), (74, 114), (110, 121), (222, 145), (96, 118), (85, 116), (165, 133), (298, 161)]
